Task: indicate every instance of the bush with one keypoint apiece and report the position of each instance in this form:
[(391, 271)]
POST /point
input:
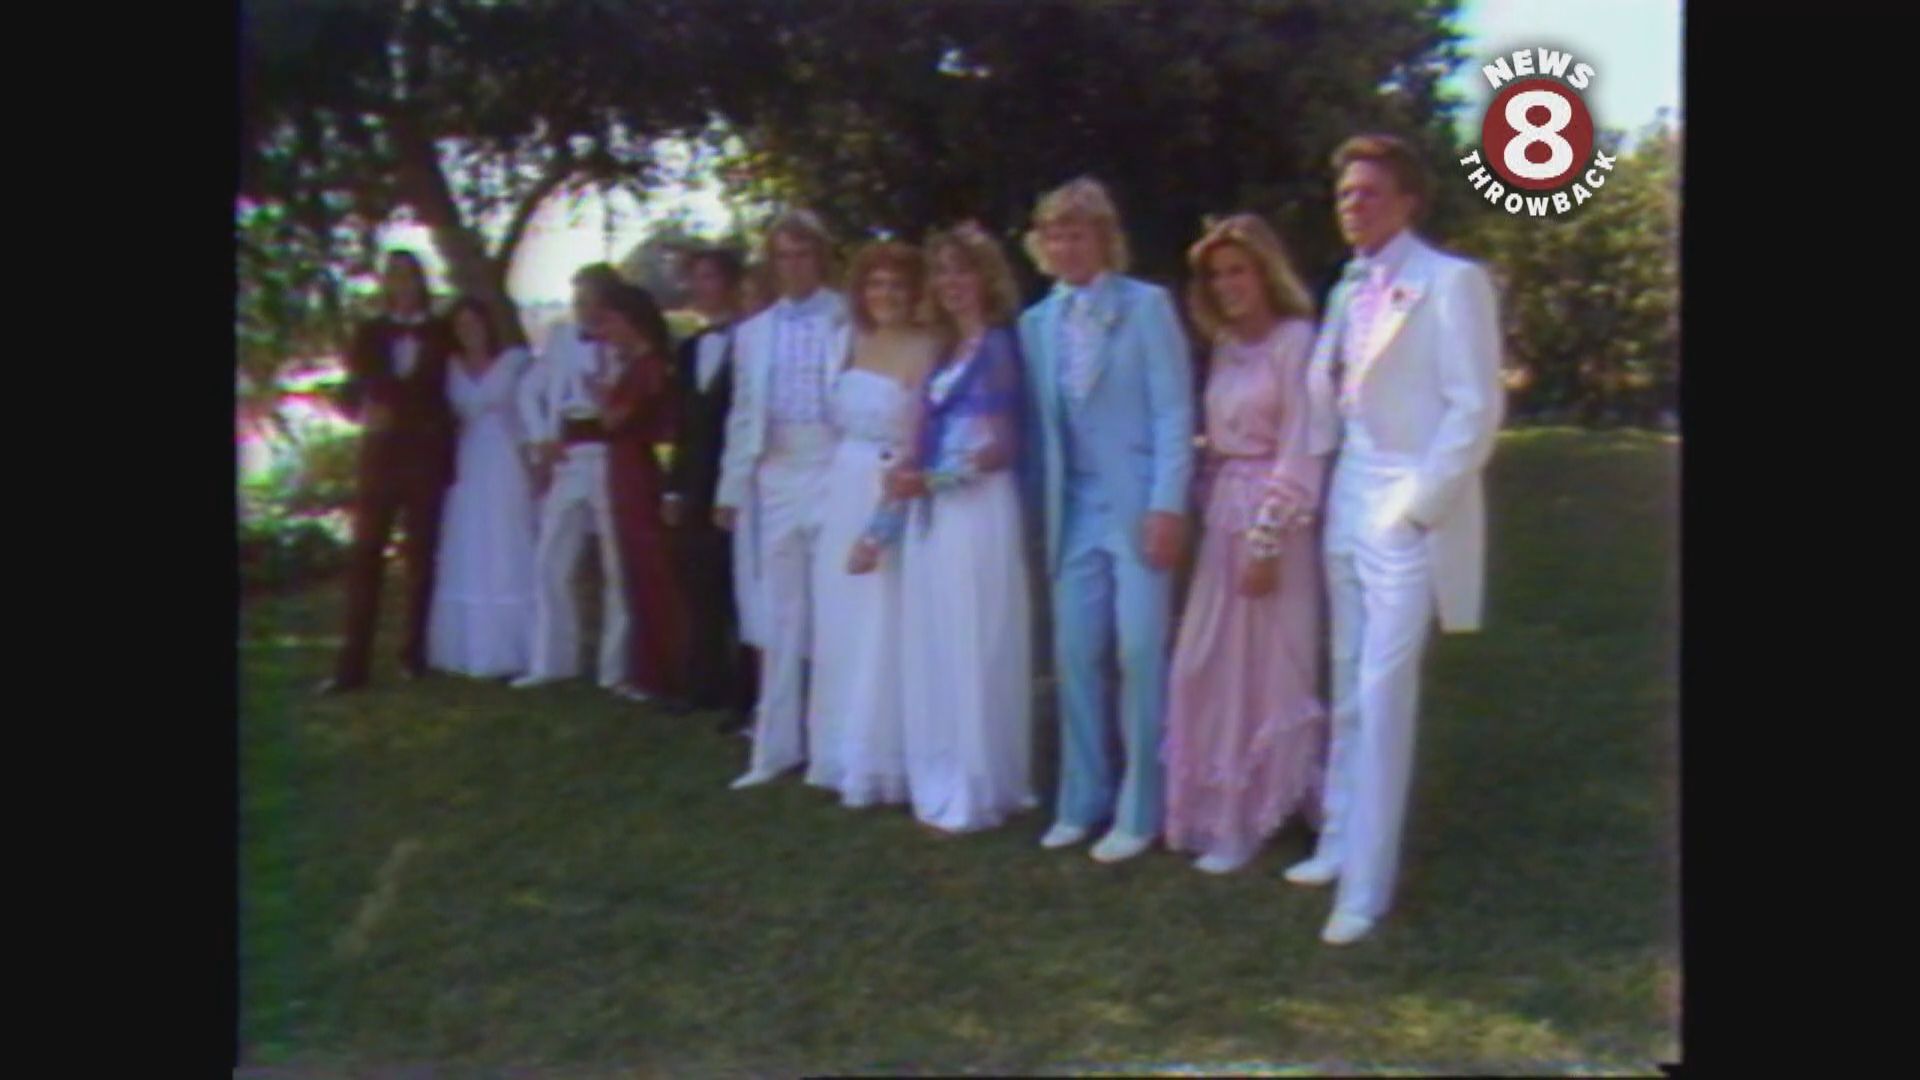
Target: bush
[(282, 552), (293, 516), (1591, 302), (319, 474)]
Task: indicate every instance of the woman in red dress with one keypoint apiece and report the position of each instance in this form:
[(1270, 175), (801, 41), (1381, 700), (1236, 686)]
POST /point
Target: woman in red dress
[(638, 413)]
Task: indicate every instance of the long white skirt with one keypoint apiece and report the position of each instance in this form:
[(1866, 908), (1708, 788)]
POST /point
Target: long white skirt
[(965, 665), (853, 734), (480, 621)]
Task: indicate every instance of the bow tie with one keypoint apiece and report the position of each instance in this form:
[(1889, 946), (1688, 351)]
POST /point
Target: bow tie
[(1358, 270), (1079, 300)]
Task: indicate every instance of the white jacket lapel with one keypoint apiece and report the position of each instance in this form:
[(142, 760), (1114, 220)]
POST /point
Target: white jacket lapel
[(1408, 289), (752, 358), (839, 346)]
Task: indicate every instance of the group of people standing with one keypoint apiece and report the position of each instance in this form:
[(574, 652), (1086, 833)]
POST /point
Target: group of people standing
[(502, 467), (852, 480)]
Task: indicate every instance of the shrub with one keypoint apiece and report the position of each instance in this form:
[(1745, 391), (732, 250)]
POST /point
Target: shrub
[(282, 552), (293, 515)]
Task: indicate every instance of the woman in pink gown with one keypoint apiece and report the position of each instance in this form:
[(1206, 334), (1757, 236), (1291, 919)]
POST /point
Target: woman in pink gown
[(1246, 729)]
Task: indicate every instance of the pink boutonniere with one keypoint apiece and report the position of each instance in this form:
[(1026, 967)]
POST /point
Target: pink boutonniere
[(1402, 297)]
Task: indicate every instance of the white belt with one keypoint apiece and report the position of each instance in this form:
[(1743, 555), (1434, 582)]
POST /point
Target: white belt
[(801, 440), (1370, 462)]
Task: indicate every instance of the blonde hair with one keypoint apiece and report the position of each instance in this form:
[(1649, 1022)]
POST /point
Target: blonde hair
[(1285, 294), (1084, 200), (806, 225), (902, 259), (999, 295)]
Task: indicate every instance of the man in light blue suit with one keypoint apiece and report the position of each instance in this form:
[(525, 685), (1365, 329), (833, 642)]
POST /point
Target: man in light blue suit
[(1111, 429)]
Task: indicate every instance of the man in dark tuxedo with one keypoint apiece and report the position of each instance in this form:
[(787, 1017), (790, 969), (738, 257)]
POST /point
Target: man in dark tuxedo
[(721, 675), (397, 388)]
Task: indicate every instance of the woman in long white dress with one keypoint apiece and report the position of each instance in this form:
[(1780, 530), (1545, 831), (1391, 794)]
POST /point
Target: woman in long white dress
[(481, 619), (853, 712), (965, 666)]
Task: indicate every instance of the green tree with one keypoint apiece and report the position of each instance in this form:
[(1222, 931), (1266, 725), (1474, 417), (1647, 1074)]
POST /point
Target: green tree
[(293, 302), (897, 117), (1591, 300), (468, 113), (889, 117)]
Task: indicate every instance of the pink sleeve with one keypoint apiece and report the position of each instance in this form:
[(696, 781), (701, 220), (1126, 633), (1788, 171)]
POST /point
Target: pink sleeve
[(1292, 494)]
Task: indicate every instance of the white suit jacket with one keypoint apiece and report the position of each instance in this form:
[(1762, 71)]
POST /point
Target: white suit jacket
[(1429, 387), (543, 385), (753, 345)]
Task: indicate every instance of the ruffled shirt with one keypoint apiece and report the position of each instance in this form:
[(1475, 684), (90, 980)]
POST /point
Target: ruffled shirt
[(799, 388)]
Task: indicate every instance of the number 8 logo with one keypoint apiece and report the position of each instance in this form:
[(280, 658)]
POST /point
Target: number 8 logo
[(1559, 115), (1537, 135)]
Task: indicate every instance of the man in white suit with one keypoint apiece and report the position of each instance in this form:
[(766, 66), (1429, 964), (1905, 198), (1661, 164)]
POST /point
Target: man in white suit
[(780, 442), (559, 401), (1405, 384)]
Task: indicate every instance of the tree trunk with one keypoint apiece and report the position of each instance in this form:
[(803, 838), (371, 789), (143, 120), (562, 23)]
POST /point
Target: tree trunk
[(424, 186)]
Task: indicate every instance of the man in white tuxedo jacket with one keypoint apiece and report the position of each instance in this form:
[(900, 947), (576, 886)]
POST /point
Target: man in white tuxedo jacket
[(566, 449), (1405, 384), (779, 444)]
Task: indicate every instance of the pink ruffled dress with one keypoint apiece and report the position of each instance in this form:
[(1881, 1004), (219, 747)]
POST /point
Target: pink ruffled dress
[(1246, 730)]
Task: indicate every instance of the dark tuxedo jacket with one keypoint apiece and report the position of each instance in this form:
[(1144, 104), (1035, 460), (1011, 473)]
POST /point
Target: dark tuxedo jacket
[(418, 450), (695, 475)]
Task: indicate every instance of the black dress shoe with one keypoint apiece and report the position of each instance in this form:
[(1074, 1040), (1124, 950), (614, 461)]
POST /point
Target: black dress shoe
[(414, 672), (336, 685)]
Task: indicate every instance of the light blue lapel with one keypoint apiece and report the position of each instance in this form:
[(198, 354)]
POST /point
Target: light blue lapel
[(1107, 313), (1052, 337)]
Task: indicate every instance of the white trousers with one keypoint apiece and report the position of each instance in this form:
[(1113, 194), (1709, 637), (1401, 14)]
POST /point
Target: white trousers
[(576, 505), (1379, 583), (789, 489)]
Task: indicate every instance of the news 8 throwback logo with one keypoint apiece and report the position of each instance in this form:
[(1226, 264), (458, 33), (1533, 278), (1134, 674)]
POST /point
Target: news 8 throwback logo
[(1536, 153)]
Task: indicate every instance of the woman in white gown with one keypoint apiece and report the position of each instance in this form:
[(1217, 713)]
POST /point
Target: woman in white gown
[(965, 666), (853, 712), (481, 618)]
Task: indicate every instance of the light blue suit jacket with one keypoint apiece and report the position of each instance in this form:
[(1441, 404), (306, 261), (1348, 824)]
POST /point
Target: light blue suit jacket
[(1138, 418)]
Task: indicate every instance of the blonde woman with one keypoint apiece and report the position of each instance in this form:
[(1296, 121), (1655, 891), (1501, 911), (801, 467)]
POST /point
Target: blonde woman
[(965, 676), (1246, 732), (853, 712)]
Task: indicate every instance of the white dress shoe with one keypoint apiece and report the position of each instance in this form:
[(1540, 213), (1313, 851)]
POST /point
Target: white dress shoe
[(1224, 862), (632, 693), (1117, 846), (1315, 871), (1063, 836), (528, 682), (1344, 929), (753, 778)]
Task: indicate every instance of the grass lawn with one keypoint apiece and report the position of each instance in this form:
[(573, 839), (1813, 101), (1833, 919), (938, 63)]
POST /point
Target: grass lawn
[(459, 874)]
